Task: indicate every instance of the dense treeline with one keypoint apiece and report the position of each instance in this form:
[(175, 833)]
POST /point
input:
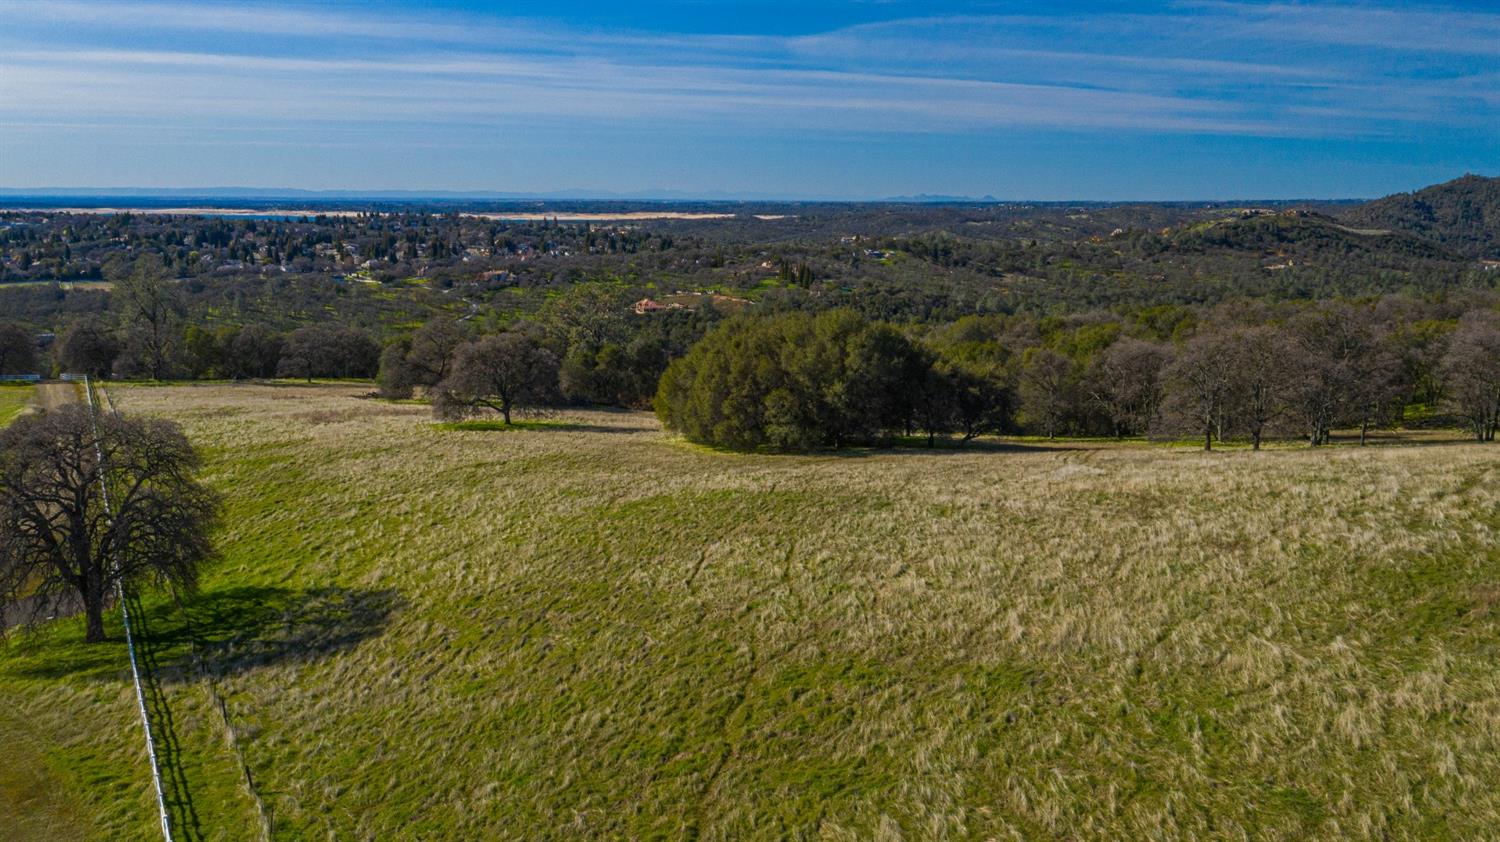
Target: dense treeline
[(812, 377), (796, 381)]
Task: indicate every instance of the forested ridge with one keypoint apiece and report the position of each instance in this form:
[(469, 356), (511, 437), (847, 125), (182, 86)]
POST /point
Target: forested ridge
[(1463, 215)]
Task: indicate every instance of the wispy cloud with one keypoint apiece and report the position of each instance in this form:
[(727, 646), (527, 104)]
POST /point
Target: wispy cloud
[(1232, 69), (1410, 29)]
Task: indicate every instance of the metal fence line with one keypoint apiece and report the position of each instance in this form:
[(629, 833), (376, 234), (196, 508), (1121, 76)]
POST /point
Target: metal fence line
[(135, 671)]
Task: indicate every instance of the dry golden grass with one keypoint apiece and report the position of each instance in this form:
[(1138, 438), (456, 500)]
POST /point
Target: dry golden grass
[(598, 631)]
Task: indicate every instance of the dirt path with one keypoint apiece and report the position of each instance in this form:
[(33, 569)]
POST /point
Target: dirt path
[(54, 395)]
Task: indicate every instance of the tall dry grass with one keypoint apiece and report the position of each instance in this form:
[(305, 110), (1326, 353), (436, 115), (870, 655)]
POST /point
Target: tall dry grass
[(596, 631)]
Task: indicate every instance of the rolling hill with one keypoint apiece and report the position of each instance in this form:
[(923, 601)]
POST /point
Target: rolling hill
[(1463, 215)]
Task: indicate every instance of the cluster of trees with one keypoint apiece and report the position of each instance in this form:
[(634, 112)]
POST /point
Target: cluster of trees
[(602, 352), (151, 335), (19, 353), (92, 346), (1251, 370), (797, 381)]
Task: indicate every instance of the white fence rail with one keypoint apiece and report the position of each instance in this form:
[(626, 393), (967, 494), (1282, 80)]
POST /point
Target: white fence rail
[(135, 670)]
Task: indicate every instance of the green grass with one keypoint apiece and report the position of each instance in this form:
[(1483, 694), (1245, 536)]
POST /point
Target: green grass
[(13, 400), (594, 631)]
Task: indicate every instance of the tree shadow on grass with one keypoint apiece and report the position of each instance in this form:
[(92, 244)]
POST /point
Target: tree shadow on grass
[(543, 425), (903, 447), (221, 632), (237, 629), (242, 628)]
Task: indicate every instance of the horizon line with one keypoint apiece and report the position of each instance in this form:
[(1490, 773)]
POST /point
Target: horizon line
[(200, 194)]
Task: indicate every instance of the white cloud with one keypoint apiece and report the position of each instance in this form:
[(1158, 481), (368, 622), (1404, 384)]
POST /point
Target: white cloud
[(1175, 72)]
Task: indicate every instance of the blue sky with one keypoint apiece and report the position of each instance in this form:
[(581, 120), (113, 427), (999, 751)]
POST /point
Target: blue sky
[(1067, 100)]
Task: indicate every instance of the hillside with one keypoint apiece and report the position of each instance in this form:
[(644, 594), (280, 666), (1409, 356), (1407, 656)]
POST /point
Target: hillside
[(586, 629), (1462, 215)]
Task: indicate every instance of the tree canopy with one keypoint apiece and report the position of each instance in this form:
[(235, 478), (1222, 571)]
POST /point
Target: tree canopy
[(59, 541)]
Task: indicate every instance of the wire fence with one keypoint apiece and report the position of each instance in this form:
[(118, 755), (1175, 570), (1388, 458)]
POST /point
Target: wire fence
[(135, 670)]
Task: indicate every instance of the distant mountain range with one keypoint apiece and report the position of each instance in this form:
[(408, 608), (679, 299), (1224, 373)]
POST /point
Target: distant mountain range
[(198, 195)]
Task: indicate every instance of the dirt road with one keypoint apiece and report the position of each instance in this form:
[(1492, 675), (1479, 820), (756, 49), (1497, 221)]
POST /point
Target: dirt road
[(54, 395)]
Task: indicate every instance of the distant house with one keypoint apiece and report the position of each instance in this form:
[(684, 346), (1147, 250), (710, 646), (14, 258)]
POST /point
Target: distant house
[(647, 305)]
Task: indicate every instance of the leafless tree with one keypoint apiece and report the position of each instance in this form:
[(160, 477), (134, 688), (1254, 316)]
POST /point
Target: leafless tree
[(1471, 370), (1046, 389), (425, 359), (328, 350), (502, 372), (152, 308), (1345, 373), (1260, 378), (255, 351), (56, 536), (1199, 386), (1125, 383)]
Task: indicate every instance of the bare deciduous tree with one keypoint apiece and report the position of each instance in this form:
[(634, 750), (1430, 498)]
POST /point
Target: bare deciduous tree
[(501, 373), (328, 351), (1046, 389), (1200, 382), (1125, 383), (89, 347), (1471, 370), (56, 537), (1260, 378), (434, 349), (153, 311), (1344, 372)]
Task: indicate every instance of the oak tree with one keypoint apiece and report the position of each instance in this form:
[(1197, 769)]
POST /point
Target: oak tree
[(60, 539)]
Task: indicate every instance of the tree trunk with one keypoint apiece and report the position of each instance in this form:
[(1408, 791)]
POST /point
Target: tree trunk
[(93, 609), (1208, 438), (1255, 440), (505, 412), (1364, 428)]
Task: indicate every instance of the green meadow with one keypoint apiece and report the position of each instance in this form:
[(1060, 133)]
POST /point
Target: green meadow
[(582, 628)]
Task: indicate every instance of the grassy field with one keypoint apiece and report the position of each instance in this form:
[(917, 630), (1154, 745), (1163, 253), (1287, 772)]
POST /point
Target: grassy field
[(13, 399), (589, 629)]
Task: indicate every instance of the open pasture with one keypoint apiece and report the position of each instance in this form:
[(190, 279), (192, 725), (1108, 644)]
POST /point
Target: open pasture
[(14, 398), (590, 629)]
